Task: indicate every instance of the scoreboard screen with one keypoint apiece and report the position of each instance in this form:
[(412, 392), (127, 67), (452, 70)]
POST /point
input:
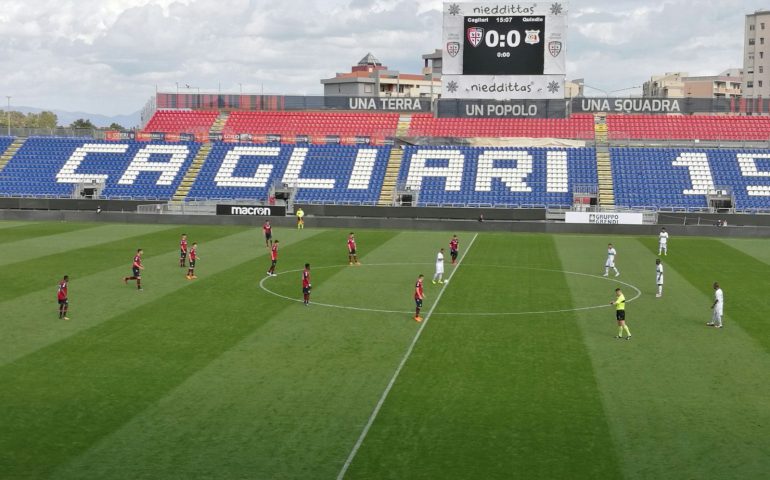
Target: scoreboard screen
[(504, 46), (504, 51)]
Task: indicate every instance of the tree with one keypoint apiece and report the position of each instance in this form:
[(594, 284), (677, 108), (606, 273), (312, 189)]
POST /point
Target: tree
[(117, 126), (47, 119), (83, 124)]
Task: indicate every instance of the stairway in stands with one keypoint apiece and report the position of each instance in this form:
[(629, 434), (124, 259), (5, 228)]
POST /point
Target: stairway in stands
[(219, 124), (603, 162), (11, 151), (192, 174), (394, 163)]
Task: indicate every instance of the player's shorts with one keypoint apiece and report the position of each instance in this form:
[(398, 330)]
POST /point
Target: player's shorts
[(182, 254), (352, 252), (418, 302), (63, 301), (440, 270), (136, 271), (610, 264), (192, 263), (660, 280), (268, 236), (453, 253), (305, 290), (620, 315)]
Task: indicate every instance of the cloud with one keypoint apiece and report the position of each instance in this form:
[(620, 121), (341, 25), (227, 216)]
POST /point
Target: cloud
[(107, 56)]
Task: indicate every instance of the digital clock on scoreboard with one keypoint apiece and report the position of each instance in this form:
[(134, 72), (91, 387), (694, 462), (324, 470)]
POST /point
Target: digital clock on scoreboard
[(504, 45)]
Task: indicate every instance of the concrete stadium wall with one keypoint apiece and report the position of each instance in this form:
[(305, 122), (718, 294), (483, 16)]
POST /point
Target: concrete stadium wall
[(390, 223)]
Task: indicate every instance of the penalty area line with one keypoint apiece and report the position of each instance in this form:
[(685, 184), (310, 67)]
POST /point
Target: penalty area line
[(400, 367)]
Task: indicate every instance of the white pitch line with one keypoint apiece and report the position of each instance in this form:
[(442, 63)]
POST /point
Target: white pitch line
[(392, 382)]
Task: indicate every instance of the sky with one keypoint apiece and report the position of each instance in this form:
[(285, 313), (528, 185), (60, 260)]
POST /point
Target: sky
[(108, 56)]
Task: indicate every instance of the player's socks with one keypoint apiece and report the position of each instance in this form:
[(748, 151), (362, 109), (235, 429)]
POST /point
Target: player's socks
[(628, 332), (620, 332)]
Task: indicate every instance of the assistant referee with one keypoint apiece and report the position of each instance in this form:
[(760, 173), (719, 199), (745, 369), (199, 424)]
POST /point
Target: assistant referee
[(620, 314)]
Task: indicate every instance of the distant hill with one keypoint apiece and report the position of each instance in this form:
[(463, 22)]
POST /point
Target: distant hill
[(66, 118)]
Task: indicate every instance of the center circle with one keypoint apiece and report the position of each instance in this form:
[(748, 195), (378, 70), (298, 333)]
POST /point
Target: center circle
[(638, 292)]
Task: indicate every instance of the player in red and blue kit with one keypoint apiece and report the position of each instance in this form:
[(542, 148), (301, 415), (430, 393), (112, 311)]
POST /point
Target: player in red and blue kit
[(268, 230), (61, 296), (419, 296), (454, 245), (352, 254), (273, 259), (182, 250), (136, 270), (306, 286), (193, 257)]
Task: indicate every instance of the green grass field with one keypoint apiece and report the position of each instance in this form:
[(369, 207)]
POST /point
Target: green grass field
[(219, 378)]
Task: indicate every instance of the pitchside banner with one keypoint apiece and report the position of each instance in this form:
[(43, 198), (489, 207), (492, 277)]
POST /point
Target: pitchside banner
[(504, 51), (251, 210), (605, 218)]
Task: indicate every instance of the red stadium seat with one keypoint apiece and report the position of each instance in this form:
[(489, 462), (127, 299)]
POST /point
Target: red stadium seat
[(181, 121)]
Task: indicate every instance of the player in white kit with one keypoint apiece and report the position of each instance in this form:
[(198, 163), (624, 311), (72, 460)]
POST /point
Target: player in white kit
[(718, 306), (439, 275), (659, 277), (663, 242), (610, 261)]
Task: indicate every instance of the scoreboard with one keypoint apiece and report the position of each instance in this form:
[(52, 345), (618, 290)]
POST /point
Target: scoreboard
[(504, 51)]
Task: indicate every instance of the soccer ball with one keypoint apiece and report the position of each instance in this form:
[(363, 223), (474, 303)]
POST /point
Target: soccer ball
[(446, 282)]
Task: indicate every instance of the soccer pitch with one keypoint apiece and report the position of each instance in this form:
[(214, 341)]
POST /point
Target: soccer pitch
[(514, 373)]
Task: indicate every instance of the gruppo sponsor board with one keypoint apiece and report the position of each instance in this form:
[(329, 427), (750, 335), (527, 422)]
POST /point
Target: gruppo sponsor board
[(504, 51), (252, 210), (605, 218)]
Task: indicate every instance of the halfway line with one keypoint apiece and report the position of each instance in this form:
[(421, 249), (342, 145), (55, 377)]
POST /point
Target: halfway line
[(392, 382)]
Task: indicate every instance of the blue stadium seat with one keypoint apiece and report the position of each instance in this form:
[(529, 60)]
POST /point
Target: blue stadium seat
[(472, 175), (681, 177), (44, 167), (325, 173)]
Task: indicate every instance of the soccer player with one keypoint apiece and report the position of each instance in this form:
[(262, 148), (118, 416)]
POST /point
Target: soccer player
[(193, 257), (136, 269), (663, 242), (273, 259), (61, 296), (268, 230), (718, 306), (659, 277), (300, 218), (306, 286), (438, 277), (352, 254), (454, 245), (611, 253), (182, 250), (419, 296), (620, 313)]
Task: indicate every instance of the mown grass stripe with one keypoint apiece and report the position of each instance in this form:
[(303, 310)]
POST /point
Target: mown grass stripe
[(25, 231), (63, 398), (669, 394), (30, 322), (30, 248), (81, 262), (492, 397)]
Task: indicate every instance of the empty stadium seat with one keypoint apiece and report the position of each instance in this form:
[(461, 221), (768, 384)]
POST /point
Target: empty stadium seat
[(682, 177), (688, 127), (574, 127), (181, 121), (55, 166), (470, 176), (374, 125), (323, 173)]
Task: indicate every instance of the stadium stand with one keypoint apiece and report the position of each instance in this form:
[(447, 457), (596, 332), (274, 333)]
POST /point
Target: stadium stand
[(688, 127), (574, 127), (681, 178), (181, 121), (324, 173), (377, 126), (539, 177), (5, 142), (55, 166)]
